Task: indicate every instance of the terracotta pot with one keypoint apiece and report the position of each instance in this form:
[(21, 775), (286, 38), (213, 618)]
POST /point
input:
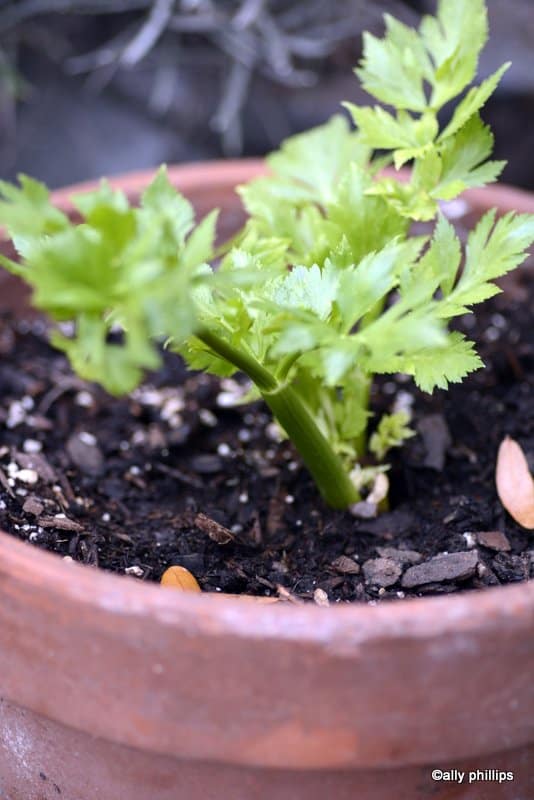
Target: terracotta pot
[(114, 689)]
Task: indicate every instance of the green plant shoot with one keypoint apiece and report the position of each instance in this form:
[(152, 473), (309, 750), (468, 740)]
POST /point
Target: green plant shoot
[(324, 288)]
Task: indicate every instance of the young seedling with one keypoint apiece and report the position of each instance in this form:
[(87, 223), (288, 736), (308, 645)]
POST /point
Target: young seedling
[(324, 288)]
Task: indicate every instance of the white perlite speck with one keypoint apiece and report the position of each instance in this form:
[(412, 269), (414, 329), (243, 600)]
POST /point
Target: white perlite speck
[(135, 570), (32, 446), (87, 438), (15, 414), (84, 399), (27, 476)]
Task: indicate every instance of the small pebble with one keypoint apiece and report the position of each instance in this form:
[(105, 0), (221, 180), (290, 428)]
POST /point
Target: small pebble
[(320, 598), (363, 510), (381, 571), (448, 567), (207, 417), (346, 565), (436, 439), (32, 505), (206, 464), (84, 453), (494, 540), (400, 556)]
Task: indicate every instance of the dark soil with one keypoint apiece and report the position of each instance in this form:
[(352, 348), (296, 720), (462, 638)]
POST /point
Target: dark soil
[(172, 475)]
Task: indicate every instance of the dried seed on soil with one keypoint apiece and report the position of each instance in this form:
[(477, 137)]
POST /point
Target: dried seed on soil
[(180, 578), (515, 485)]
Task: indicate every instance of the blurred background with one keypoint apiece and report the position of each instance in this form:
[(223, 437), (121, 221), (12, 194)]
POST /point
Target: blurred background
[(99, 87)]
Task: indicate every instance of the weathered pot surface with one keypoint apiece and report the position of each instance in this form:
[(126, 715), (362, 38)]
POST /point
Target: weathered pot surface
[(110, 688)]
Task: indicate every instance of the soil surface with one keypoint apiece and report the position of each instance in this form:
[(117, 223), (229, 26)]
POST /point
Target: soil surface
[(173, 474)]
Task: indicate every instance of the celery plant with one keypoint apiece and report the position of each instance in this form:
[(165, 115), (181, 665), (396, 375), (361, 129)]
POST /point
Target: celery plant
[(324, 287)]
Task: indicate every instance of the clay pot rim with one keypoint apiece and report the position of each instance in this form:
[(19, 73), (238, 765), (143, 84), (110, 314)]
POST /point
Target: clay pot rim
[(73, 582), (236, 171), (80, 585)]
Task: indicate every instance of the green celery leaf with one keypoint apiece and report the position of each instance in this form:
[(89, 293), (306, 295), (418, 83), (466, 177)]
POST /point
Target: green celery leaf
[(318, 159), (364, 223), (362, 286), (437, 268), (122, 268), (393, 68), (305, 170), (380, 129), (308, 288), (198, 357), (464, 163), (473, 102), (493, 249), (27, 213), (454, 40), (392, 431), (164, 209), (117, 367), (443, 55), (438, 366)]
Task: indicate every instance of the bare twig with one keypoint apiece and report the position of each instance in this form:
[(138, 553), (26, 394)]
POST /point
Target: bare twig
[(149, 33), (286, 41)]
